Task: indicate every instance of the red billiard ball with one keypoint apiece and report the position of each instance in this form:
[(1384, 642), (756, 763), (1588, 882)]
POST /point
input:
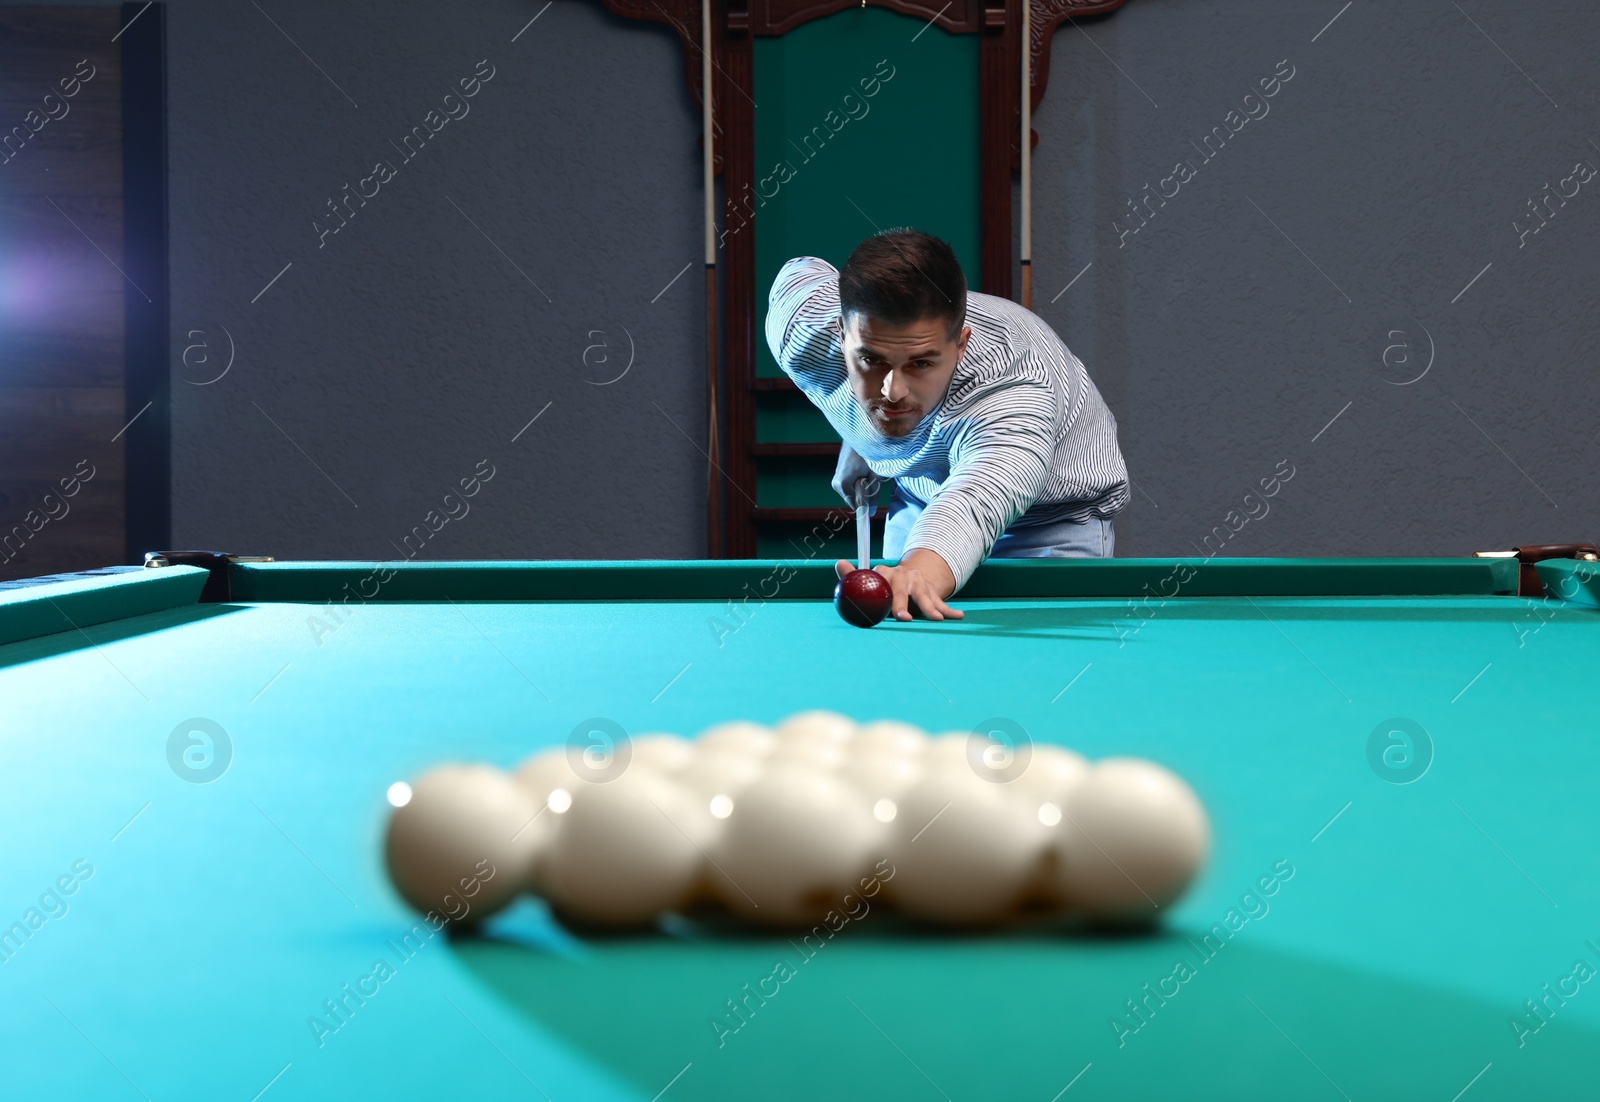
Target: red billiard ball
[(863, 598)]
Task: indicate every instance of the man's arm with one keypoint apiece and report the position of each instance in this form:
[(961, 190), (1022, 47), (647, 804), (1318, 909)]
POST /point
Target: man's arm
[(999, 466)]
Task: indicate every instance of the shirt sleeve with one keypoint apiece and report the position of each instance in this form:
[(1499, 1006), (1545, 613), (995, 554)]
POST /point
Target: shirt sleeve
[(999, 465), (802, 312)]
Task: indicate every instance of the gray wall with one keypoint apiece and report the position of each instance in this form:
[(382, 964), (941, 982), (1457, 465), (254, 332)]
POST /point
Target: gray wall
[(409, 347), (1393, 165), (421, 338)]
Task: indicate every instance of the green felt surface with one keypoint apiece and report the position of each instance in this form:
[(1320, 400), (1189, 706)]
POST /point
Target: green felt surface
[(219, 916), (1574, 580), (66, 602)]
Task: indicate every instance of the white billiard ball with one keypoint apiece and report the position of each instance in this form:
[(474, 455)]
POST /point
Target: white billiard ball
[(1132, 837), (719, 778), (950, 746), (991, 758), (464, 843), (1052, 773), (739, 736), (965, 851), (550, 779), (667, 754), (798, 841), (817, 726), (627, 850), (828, 756), (883, 778), (889, 736)]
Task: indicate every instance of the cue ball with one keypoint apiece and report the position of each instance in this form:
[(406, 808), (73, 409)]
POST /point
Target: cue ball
[(627, 850), (1132, 837), (965, 851), (799, 840), (465, 843), (863, 598)]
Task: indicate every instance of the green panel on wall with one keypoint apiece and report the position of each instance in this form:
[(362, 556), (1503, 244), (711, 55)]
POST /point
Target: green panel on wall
[(809, 542), (803, 482), (864, 120), (796, 482), (785, 417)]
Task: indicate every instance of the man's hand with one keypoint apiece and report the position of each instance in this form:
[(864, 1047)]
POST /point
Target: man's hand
[(922, 577)]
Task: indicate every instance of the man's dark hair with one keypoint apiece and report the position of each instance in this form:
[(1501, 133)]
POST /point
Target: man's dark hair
[(903, 276)]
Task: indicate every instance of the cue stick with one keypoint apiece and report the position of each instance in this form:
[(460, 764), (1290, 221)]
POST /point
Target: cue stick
[(863, 525), (713, 487), (1027, 156)]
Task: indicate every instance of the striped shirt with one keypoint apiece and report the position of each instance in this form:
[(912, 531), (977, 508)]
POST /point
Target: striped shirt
[(1021, 437)]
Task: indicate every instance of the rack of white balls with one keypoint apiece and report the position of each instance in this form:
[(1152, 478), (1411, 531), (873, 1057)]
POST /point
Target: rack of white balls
[(781, 825)]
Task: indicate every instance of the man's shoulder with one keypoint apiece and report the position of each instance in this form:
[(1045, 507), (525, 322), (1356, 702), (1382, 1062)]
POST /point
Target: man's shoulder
[(1002, 353), (803, 298), (803, 274), (1013, 360), (1019, 324), (990, 304), (1000, 311), (1009, 341)]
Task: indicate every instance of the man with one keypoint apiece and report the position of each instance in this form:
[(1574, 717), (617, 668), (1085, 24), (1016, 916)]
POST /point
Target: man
[(997, 442)]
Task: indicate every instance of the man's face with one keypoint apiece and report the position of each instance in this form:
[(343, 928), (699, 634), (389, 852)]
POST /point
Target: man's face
[(899, 373)]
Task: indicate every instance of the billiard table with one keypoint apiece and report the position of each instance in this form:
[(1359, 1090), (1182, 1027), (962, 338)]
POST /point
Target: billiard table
[(1399, 757)]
